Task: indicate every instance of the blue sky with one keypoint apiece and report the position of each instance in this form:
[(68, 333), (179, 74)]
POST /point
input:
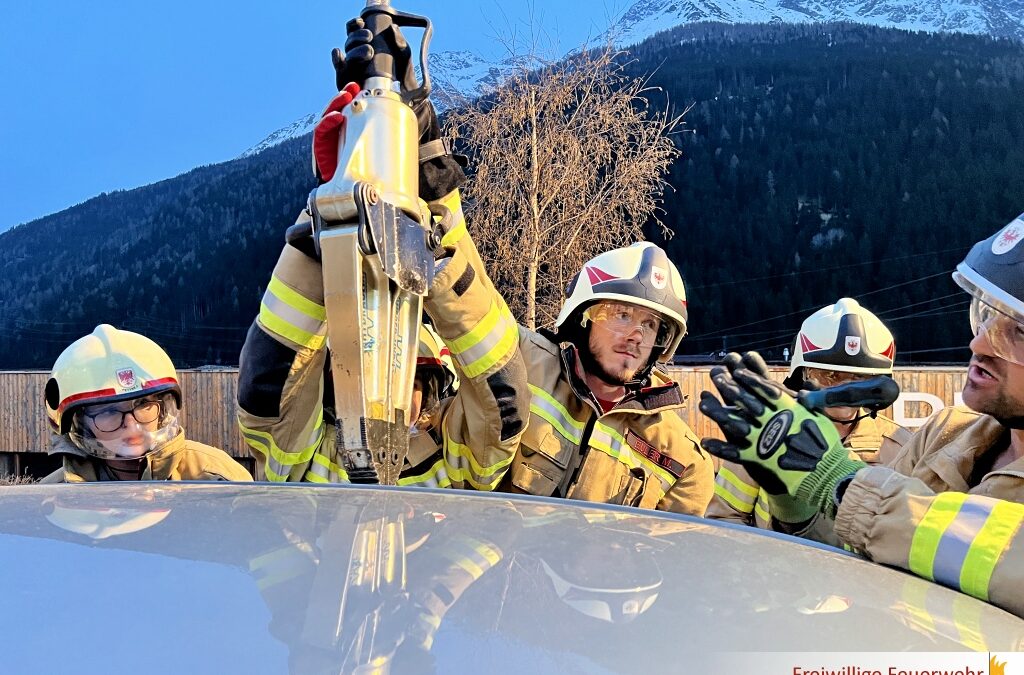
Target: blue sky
[(108, 95)]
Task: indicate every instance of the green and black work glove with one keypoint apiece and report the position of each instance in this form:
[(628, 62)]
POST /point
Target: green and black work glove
[(794, 454)]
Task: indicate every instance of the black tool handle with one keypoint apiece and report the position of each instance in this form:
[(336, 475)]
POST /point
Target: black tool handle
[(874, 394), (385, 23)]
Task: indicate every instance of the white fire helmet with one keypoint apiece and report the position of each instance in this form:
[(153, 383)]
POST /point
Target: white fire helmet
[(110, 366), (844, 337), (640, 274)]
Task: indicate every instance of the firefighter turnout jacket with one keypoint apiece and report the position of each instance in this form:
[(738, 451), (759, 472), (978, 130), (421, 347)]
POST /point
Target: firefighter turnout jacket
[(178, 459), (739, 499), (970, 542), (281, 390), (640, 453), (952, 452)]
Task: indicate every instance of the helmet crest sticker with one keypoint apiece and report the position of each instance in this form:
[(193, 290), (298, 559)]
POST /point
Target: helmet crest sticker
[(126, 378), (598, 276), (1006, 240), (853, 345), (659, 277)]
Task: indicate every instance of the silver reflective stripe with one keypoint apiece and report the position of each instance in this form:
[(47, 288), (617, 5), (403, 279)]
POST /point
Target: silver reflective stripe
[(293, 316), (275, 470), (739, 499), (545, 406), (957, 539)]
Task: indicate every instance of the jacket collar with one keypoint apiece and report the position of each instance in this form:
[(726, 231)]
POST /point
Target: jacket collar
[(80, 467), (955, 462), (658, 393)]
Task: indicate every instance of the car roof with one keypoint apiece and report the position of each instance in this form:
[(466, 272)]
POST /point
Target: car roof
[(209, 577)]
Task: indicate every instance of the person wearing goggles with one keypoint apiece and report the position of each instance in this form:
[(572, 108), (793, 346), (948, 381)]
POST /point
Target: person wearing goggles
[(967, 461), (603, 424), (838, 344), (114, 401)]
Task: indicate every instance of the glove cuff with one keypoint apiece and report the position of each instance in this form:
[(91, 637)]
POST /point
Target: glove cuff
[(790, 510), (819, 485), (439, 176)]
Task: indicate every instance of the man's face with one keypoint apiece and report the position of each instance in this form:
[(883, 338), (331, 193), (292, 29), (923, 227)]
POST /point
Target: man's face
[(622, 337), (995, 385)]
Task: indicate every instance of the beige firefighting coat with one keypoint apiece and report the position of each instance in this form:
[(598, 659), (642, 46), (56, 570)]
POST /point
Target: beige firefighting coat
[(179, 459), (640, 453), (474, 435), (942, 454), (966, 541), (739, 499)]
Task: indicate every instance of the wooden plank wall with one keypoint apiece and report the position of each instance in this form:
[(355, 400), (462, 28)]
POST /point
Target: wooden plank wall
[(208, 413), (209, 396)]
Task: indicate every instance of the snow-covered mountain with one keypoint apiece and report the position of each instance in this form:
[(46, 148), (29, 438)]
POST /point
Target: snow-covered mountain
[(460, 75), (999, 18)]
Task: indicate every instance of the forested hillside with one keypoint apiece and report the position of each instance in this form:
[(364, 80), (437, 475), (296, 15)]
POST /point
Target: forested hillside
[(818, 161), (837, 161)]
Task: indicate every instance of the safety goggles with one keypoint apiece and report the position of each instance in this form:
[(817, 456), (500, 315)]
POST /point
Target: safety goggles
[(110, 418), (623, 320), (1004, 334), (824, 379)]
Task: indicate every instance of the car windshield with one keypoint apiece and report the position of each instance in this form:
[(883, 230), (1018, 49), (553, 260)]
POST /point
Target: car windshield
[(272, 579)]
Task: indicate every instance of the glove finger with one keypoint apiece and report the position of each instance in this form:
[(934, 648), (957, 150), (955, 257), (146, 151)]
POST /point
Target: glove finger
[(753, 362), (732, 361), (721, 449), (733, 421), (352, 25), (733, 394), (357, 40), (338, 103), (325, 144), (765, 389)]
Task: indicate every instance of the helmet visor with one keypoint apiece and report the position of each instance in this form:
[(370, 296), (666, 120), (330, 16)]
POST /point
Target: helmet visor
[(1004, 333), (624, 319)]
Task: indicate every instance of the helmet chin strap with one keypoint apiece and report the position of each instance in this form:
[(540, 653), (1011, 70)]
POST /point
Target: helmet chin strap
[(1011, 422)]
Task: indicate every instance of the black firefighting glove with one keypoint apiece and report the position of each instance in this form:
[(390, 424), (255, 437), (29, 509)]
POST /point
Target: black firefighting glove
[(796, 455), (440, 168)]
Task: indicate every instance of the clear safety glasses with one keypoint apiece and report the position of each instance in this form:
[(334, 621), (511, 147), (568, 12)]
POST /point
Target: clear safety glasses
[(111, 418), (623, 320), (825, 379), (1004, 334)]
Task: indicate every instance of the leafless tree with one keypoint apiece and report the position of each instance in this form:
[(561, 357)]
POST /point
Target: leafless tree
[(569, 160)]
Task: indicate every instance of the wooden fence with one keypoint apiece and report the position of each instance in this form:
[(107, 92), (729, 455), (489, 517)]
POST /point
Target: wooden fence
[(208, 414)]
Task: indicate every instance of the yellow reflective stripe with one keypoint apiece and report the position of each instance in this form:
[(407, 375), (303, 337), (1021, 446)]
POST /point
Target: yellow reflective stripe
[(987, 547), (732, 500), (279, 462), (914, 603), (967, 619), (742, 486), (278, 566), (929, 531), (547, 408), (435, 476), (296, 300), (463, 466), (610, 442), (467, 565), (761, 509), (492, 339), (453, 202), (293, 316), (277, 325), (334, 472)]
